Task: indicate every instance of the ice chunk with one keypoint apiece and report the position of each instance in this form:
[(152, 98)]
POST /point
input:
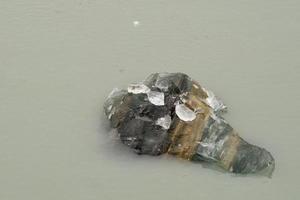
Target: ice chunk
[(138, 88), (156, 98), (184, 113), (214, 102), (164, 122)]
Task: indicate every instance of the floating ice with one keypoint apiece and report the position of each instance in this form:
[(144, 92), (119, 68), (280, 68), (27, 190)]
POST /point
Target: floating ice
[(158, 116)]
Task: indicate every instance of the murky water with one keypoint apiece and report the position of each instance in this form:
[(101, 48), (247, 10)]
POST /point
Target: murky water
[(59, 59)]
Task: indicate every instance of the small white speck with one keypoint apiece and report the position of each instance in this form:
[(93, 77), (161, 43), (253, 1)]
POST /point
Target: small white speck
[(136, 23), (196, 86)]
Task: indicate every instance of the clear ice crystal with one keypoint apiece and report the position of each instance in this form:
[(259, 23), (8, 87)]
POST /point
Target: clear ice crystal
[(214, 102), (138, 88), (156, 98), (164, 122), (184, 113)]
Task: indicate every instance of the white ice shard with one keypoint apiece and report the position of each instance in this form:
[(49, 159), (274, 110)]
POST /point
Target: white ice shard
[(156, 98), (138, 88), (164, 122), (184, 113), (214, 102)]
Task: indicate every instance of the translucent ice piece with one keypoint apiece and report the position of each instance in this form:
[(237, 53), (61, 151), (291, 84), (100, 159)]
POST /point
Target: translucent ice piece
[(156, 98), (184, 113), (138, 88), (214, 102), (164, 122)]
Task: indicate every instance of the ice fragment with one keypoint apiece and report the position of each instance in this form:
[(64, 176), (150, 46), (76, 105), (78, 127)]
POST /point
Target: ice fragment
[(184, 113), (156, 98), (138, 88), (164, 122)]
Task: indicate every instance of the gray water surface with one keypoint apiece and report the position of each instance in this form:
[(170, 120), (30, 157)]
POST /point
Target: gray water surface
[(59, 59)]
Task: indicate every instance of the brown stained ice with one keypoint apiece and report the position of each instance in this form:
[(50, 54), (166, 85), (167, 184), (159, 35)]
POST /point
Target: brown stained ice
[(170, 113)]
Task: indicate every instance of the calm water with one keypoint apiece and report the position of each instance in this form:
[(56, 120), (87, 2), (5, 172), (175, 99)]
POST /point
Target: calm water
[(59, 59)]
